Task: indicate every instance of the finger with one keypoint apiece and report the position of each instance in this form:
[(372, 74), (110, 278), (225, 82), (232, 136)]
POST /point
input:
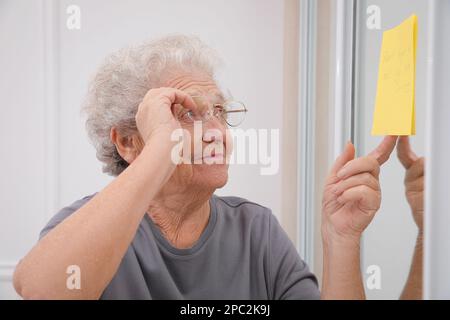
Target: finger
[(359, 165), (404, 152), (384, 149), (180, 97), (416, 170), (365, 179), (368, 198), (347, 155)]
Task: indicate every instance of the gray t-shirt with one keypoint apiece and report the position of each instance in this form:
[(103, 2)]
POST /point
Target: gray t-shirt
[(243, 253)]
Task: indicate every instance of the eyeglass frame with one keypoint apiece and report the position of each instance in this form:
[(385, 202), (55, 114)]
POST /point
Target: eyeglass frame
[(222, 117)]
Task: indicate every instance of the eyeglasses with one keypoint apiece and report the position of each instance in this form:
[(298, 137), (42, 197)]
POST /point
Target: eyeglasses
[(230, 112)]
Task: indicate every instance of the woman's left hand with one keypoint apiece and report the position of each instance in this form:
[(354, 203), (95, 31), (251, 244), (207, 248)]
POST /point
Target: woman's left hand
[(414, 179), (352, 193)]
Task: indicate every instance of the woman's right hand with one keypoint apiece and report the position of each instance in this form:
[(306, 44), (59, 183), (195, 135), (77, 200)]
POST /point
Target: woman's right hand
[(155, 117)]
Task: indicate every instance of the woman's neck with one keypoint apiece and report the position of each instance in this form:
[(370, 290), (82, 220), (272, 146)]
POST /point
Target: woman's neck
[(181, 217)]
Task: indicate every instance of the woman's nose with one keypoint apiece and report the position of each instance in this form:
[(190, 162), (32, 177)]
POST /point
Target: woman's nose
[(214, 131)]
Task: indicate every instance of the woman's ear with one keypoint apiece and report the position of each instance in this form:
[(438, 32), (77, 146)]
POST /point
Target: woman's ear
[(128, 146)]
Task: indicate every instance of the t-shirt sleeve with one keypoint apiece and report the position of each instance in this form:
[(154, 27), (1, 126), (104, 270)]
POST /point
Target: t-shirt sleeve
[(63, 214), (290, 275)]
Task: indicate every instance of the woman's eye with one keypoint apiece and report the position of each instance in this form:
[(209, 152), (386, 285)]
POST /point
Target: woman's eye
[(219, 110), (186, 116)]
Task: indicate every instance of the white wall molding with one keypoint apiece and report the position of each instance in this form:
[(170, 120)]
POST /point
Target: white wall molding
[(343, 74), (306, 138), (437, 217), (7, 290), (7, 270)]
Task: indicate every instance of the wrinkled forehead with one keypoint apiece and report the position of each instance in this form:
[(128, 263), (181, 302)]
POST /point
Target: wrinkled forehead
[(197, 84)]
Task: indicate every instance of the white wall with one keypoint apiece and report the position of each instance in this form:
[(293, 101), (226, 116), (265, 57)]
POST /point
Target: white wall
[(47, 159), (23, 201)]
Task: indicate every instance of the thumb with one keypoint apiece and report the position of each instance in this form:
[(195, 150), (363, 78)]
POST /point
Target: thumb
[(347, 155), (404, 152), (384, 149)]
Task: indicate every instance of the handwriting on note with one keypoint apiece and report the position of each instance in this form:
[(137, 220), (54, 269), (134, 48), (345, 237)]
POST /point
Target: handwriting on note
[(394, 112)]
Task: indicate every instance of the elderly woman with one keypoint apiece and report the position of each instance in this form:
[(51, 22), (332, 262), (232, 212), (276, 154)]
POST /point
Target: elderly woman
[(157, 231)]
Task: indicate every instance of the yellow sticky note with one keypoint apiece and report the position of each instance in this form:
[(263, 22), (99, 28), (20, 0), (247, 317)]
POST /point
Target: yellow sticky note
[(395, 104)]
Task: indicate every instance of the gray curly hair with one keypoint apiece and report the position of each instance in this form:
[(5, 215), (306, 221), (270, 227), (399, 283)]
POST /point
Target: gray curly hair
[(125, 77)]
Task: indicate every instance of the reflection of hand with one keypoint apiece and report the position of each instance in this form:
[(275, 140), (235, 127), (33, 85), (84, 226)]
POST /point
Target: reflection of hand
[(414, 194), (414, 179), (352, 193)]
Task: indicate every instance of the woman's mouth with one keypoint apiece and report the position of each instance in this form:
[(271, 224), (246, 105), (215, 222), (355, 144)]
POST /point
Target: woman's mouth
[(213, 156)]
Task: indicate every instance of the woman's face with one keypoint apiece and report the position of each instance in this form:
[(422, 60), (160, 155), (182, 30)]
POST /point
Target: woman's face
[(208, 141)]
